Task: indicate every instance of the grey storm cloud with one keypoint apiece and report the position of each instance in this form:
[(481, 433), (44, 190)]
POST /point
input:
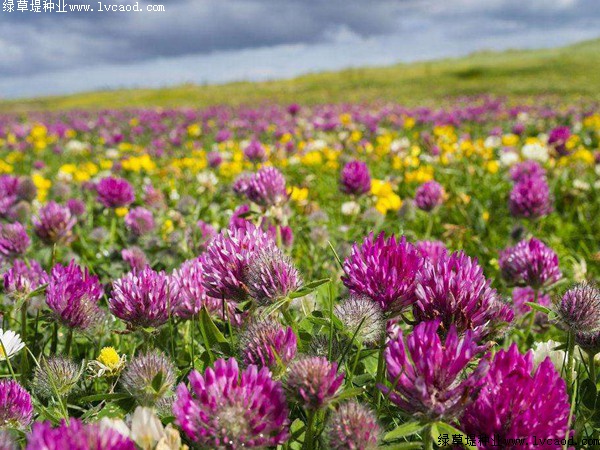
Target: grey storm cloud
[(227, 40), (31, 42)]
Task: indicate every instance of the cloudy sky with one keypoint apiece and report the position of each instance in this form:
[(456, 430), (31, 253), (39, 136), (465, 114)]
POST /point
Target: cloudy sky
[(216, 41)]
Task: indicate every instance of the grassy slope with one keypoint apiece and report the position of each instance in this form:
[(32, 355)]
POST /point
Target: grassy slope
[(570, 71)]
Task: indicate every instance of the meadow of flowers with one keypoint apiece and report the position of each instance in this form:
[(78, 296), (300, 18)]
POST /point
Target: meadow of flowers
[(301, 277)]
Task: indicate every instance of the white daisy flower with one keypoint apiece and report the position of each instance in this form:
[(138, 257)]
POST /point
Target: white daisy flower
[(11, 344)]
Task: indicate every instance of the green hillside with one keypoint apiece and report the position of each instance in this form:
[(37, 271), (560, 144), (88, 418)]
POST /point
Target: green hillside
[(572, 71)]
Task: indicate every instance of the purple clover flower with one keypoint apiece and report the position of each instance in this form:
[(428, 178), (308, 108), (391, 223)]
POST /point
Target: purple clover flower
[(271, 276), (314, 381), (140, 221), (352, 427), (14, 240), (115, 192), (355, 178), (517, 401), (267, 188), (189, 294), (525, 170), (22, 279), (226, 409), (141, 298), (73, 295), (530, 263), (54, 224), (135, 257), (255, 152), (77, 436), (429, 195), (384, 270), (265, 343), (432, 250), (428, 376), (530, 198), (455, 291), (16, 409), (227, 259), (558, 138)]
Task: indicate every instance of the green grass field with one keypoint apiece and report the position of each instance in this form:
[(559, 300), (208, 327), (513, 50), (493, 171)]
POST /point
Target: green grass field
[(572, 72)]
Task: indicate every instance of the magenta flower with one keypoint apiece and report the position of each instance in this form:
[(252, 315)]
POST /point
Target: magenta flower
[(73, 295), (579, 309), (16, 410), (140, 221), (432, 250), (115, 192), (352, 427), (517, 401), (14, 240), (255, 152), (9, 193), (525, 170), (455, 291), (428, 377), (141, 299), (76, 436), (135, 257), (530, 198), (384, 270), (558, 138), (267, 188), (355, 178), (241, 183), (523, 295), (227, 258), (54, 224), (226, 410), (314, 381), (76, 206), (530, 263), (429, 195), (271, 276), (265, 343), (22, 279), (189, 294)]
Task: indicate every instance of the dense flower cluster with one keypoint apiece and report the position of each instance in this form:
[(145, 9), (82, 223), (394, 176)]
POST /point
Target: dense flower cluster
[(226, 409)]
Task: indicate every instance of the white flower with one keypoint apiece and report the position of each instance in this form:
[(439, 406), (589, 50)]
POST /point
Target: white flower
[(509, 158), (537, 152), (112, 153), (146, 430), (75, 146), (581, 185), (350, 208), (493, 141), (543, 350), (11, 344)]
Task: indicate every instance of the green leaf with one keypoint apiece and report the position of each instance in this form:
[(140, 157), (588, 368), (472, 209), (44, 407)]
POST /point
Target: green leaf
[(308, 288), (349, 393), (406, 429), (588, 393), (213, 334), (337, 258), (445, 428), (538, 307), (157, 382), (98, 397), (403, 446)]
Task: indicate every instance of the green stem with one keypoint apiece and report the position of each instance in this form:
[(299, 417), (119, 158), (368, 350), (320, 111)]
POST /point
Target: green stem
[(309, 435), (68, 342), (24, 356), (54, 343), (570, 361), (427, 438), (10, 368), (380, 371), (592, 366)]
